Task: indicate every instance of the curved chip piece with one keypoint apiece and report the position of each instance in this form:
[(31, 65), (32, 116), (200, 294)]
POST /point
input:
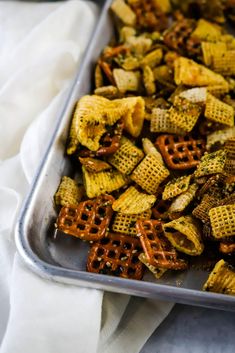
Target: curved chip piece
[(176, 187), (185, 235), (94, 165), (183, 200), (90, 118), (211, 163), (133, 202), (221, 279), (188, 72), (158, 272), (103, 182), (133, 114)]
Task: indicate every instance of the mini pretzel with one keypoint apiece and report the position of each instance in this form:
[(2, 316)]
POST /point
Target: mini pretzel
[(180, 152), (178, 34), (109, 143), (87, 221), (227, 247), (160, 209), (158, 250), (116, 255)]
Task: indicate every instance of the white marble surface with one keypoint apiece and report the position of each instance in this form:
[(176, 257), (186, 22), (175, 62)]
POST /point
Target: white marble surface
[(190, 329)]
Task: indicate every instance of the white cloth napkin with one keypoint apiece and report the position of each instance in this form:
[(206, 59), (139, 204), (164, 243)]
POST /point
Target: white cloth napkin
[(40, 48)]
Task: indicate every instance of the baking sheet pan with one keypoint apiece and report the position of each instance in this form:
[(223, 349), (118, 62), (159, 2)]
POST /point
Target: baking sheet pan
[(64, 259)]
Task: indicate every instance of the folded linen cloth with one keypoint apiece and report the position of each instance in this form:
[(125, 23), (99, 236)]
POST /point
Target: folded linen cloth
[(40, 50)]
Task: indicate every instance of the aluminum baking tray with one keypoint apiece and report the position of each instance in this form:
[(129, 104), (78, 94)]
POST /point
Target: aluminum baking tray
[(64, 259)]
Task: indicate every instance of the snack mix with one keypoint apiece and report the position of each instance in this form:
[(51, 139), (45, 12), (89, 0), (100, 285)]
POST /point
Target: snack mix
[(154, 142)]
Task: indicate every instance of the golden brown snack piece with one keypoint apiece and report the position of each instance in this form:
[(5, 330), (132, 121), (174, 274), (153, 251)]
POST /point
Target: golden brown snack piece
[(160, 209), (133, 202), (176, 187), (133, 114), (156, 271), (150, 15), (211, 163), (219, 137), (227, 247), (202, 210), (153, 58), (150, 173), (219, 111), (158, 250), (126, 157), (177, 36), (89, 220), (103, 182), (92, 114), (221, 279), (182, 201), (189, 73), (223, 62), (106, 69), (108, 144), (185, 235), (149, 148), (195, 95), (148, 79), (125, 223), (109, 92), (127, 80), (69, 192), (208, 31), (124, 12), (116, 255), (161, 122), (222, 220), (210, 50), (184, 114), (180, 152), (230, 152), (94, 165)]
